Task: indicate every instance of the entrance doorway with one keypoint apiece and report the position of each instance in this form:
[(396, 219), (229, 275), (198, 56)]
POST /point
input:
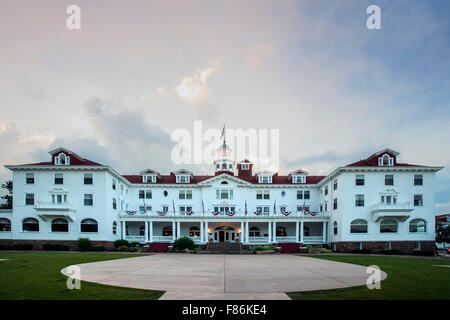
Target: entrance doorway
[(224, 234)]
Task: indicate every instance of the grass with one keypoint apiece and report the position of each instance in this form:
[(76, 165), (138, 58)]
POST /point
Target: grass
[(37, 276), (407, 279)]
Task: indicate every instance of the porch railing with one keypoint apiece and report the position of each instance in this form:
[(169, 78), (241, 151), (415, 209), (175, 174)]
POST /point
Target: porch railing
[(135, 238), (258, 239), (286, 239), (312, 239), (162, 239)]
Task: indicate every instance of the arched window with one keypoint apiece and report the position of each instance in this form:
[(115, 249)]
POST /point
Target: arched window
[(224, 182), (385, 160), (62, 158), (30, 224), (358, 226), (5, 224), (281, 231), (418, 225), (114, 227), (254, 232), (167, 231), (60, 225), (335, 228), (89, 225), (388, 226), (194, 231)]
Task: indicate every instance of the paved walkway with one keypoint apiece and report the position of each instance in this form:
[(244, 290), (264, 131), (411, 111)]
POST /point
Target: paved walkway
[(225, 277)]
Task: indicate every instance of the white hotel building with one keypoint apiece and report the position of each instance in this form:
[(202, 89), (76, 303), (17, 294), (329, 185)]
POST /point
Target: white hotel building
[(375, 203)]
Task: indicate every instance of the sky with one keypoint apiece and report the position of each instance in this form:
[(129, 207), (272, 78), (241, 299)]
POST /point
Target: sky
[(115, 90)]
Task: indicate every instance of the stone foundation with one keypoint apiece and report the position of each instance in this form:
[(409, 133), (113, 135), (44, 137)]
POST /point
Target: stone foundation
[(72, 244), (403, 247)]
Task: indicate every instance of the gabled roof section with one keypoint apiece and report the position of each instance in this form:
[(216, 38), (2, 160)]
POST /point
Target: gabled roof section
[(372, 161), (298, 172), (149, 172), (224, 175), (182, 172), (66, 151)]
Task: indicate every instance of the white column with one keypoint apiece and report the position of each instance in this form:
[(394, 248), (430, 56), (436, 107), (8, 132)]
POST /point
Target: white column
[(301, 232), (202, 233), (274, 231), (246, 232), (146, 231), (178, 229), (269, 231), (173, 231), (296, 231), (206, 232), (324, 231), (123, 230), (151, 231), (241, 236)]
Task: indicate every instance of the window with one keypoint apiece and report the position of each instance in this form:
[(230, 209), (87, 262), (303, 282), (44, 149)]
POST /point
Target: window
[(389, 180), (5, 224), (359, 181), (265, 179), (335, 228), (59, 178), (145, 209), (167, 231), (145, 194), (418, 225), (281, 231), (418, 180), (326, 190), (149, 179), (185, 194), (60, 225), (88, 179), (264, 210), (299, 179), (245, 166), (30, 224), (182, 179), (254, 232), (359, 200), (321, 207), (335, 204), (388, 226), (114, 184), (114, 227), (89, 225), (62, 159), (418, 201), (389, 199), (301, 208), (299, 194), (306, 194), (385, 160), (59, 198), (29, 178), (29, 199), (88, 199), (335, 184), (194, 232), (114, 204), (184, 209), (358, 226), (326, 206), (262, 194)]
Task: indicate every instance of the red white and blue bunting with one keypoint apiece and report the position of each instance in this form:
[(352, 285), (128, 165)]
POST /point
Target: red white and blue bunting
[(312, 213), (215, 212), (189, 212), (230, 213), (131, 212), (286, 213), (162, 213), (258, 212)]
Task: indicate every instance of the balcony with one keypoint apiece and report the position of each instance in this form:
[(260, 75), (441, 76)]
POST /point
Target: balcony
[(54, 206), (399, 210)]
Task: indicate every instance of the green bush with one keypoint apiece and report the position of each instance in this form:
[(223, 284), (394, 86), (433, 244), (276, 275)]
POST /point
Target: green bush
[(55, 247), (98, 248), (184, 243), (263, 248), (22, 246), (84, 244), (120, 243), (123, 248)]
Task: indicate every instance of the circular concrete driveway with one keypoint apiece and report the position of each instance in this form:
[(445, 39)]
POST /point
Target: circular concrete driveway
[(203, 276)]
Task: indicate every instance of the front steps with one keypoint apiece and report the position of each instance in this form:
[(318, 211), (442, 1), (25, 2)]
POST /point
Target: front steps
[(159, 247), (225, 248), (289, 247)]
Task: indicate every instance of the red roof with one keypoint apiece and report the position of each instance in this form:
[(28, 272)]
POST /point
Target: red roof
[(372, 161)]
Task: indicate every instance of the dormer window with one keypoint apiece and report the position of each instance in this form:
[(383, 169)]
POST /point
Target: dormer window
[(149, 179), (298, 179), (386, 160), (183, 179), (62, 159), (265, 179), (245, 166)]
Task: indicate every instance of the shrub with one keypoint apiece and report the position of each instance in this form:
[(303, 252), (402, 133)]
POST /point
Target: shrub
[(55, 247), (119, 243), (264, 248), (132, 249), (423, 253), (84, 244), (123, 248), (97, 248), (22, 246), (184, 243), (3, 247)]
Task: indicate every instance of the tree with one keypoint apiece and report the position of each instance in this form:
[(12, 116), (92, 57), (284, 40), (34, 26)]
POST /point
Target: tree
[(442, 233), (8, 185)]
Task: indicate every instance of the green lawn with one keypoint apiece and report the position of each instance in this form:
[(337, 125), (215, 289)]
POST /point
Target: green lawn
[(407, 278), (36, 275)]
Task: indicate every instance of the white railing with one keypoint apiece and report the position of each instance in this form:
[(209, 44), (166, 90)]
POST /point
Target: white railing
[(312, 239), (135, 238), (53, 206), (399, 206), (286, 239), (258, 239), (195, 239), (162, 239)]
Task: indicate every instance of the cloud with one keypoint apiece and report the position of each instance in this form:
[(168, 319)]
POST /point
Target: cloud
[(256, 54), (194, 89), (159, 92)]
